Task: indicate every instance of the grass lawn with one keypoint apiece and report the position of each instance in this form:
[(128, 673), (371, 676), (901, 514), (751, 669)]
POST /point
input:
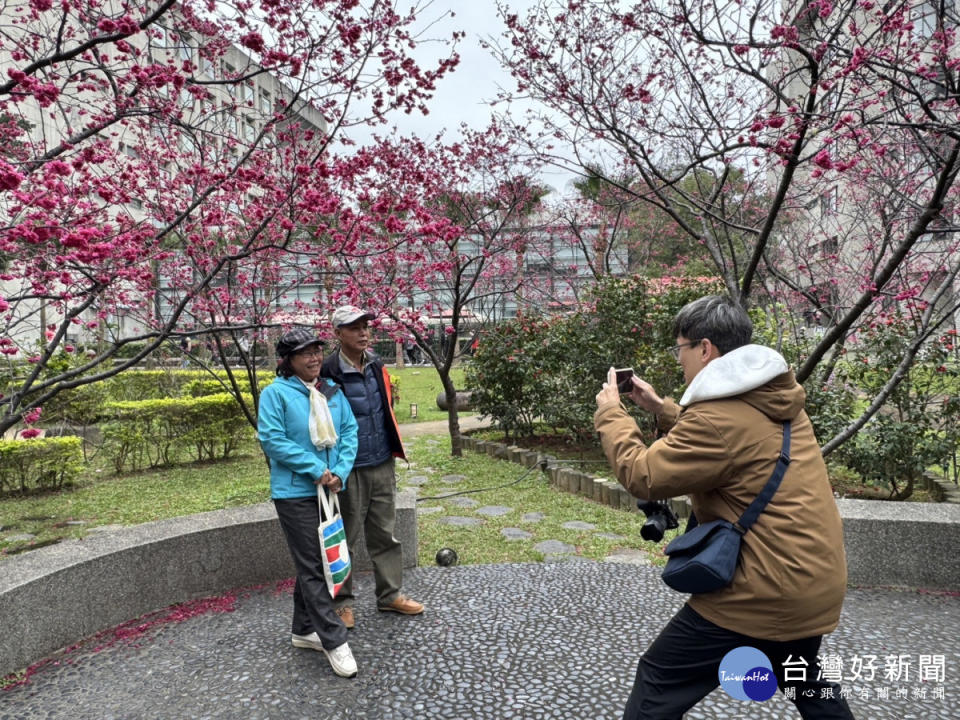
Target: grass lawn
[(420, 385), (496, 482), (103, 498)]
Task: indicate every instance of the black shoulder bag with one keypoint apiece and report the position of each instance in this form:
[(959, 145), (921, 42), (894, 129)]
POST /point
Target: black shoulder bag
[(705, 558)]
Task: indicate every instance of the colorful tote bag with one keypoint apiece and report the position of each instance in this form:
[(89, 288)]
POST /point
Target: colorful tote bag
[(333, 542)]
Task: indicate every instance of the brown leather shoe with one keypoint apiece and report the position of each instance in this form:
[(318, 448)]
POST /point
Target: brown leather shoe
[(403, 605), (346, 616)]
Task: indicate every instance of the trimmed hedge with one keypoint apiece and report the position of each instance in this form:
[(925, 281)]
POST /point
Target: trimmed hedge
[(39, 463), (149, 433)]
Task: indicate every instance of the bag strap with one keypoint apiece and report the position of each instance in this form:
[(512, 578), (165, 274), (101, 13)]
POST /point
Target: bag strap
[(751, 514), (329, 505)]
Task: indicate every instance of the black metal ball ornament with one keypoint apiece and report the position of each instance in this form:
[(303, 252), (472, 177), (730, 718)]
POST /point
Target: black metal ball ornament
[(447, 557)]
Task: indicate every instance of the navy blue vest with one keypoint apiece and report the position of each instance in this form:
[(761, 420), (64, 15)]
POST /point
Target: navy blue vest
[(363, 392)]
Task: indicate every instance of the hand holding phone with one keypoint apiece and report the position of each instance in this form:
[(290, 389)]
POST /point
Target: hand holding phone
[(624, 380)]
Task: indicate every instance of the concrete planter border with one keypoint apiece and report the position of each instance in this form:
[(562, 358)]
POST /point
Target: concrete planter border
[(55, 596)]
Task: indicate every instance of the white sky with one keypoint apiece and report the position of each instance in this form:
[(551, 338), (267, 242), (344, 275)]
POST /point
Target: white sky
[(462, 96)]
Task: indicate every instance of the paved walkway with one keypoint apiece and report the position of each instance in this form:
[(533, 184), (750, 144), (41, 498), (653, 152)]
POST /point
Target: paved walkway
[(538, 641), (441, 427)]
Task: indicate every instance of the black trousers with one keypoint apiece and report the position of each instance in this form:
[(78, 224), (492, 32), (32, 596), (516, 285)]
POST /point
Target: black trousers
[(682, 665), (313, 609)]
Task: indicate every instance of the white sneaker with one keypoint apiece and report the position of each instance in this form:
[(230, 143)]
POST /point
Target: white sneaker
[(341, 658), (311, 641)]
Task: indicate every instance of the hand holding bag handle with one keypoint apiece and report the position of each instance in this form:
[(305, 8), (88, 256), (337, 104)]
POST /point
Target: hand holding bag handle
[(704, 559), (333, 542)]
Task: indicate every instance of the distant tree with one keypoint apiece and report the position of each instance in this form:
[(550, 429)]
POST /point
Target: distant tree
[(451, 249)]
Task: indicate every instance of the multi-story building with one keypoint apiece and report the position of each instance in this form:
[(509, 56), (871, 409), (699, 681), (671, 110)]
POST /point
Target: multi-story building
[(857, 197), (213, 119)]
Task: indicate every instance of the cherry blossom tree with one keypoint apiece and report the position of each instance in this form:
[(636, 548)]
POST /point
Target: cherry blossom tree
[(162, 161), (439, 242), (810, 148)]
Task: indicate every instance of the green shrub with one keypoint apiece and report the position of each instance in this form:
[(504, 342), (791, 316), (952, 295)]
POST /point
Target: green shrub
[(39, 463), (169, 383), (149, 384), (917, 426), (553, 368), (148, 433), (199, 388)]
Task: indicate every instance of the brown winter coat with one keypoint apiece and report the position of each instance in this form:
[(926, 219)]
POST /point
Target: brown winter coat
[(792, 575)]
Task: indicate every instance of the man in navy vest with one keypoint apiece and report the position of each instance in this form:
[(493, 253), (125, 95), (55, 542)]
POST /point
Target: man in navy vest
[(369, 502)]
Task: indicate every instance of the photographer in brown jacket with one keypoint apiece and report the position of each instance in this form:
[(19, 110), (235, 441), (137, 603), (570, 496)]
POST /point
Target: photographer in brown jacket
[(722, 441)]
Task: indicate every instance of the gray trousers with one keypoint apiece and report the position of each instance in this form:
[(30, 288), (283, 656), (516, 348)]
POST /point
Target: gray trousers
[(313, 609), (369, 505)]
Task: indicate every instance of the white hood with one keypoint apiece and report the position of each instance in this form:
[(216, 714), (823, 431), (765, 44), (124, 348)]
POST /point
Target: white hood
[(737, 372)]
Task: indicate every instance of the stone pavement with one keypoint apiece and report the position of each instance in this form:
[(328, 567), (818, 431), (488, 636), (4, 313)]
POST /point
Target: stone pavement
[(539, 641), (442, 427)]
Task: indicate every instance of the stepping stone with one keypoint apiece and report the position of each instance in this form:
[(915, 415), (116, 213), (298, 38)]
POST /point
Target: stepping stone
[(494, 510), (609, 536), (460, 521), (429, 510), (453, 479), (464, 502), (22, 537), (554, 547), (578, 525), (515, 534), (417, 480), (533, 517), (629, 556)]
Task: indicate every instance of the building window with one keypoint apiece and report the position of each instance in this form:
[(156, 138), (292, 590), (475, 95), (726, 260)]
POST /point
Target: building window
[(266, 104), (828, 202)]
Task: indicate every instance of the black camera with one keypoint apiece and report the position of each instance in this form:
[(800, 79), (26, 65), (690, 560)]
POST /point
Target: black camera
[(660, 518)]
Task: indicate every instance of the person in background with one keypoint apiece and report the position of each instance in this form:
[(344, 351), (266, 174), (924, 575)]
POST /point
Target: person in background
[(369, 504), (414, 355), (722, 442), (307, 430)]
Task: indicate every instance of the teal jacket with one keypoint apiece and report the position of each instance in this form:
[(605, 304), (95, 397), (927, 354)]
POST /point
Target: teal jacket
[(283, 428)]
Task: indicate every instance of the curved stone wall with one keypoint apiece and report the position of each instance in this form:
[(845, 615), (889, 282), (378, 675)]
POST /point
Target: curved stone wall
[(57, 595)]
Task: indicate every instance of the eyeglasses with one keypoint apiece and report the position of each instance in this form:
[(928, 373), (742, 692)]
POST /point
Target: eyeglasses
[(675, 350), (310, 353)]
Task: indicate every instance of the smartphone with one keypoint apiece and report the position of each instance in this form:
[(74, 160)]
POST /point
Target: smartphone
[(624, 383)]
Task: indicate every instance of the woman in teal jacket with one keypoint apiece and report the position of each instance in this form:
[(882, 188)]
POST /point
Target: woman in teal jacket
[(308, 432)]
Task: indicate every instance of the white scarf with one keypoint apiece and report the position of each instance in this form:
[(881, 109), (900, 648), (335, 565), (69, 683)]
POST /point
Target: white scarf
[(322, 432)]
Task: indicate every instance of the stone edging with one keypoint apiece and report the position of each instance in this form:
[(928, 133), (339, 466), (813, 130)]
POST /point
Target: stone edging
[(603, 490)]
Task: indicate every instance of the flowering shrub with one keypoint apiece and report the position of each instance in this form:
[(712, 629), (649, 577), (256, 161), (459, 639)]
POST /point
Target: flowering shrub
[(553, 368)]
